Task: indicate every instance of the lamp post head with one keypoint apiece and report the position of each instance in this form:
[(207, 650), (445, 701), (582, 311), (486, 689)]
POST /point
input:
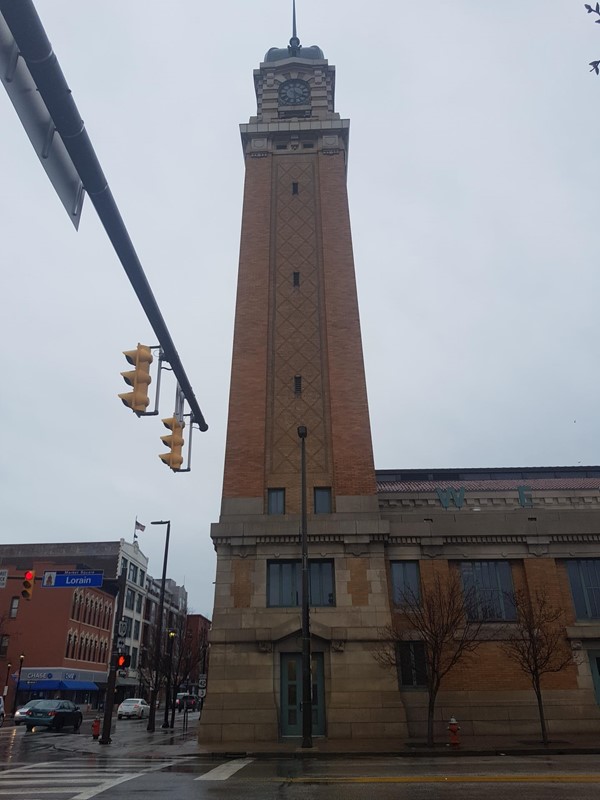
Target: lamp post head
[(302, 432), (161, 522), (22, 657)]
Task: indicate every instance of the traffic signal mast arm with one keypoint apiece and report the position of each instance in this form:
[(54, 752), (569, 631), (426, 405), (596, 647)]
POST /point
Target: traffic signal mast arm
[(34, 47)]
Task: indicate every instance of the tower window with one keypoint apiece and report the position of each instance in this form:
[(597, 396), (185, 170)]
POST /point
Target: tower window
[(275, 501), (297, 384), (296, 279), (294, 188), (322, 500)]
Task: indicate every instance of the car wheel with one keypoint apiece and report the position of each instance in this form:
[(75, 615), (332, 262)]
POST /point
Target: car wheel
[(58, 725), (1, 720), (119, 716), (29, 728), (77, 724)]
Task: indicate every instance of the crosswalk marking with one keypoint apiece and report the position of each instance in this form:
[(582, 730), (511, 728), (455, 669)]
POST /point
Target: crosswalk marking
[(224, 771), (76, 778)]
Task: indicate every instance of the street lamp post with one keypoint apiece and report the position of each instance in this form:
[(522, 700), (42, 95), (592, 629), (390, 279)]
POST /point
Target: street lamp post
[(171, 635), (21, 659), (5, 690), (306, 656), (158, 631)]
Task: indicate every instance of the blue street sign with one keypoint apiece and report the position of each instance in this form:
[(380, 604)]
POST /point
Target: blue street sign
[(63, 579)]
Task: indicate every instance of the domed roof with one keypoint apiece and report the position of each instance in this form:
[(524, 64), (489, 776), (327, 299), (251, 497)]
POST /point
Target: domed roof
[(293, 50)]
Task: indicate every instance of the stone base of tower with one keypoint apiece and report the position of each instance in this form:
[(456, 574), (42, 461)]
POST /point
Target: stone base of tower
[(251, 697)]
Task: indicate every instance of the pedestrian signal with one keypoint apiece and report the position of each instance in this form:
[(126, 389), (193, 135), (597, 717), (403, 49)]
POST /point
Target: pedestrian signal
[(123, 661), (139, 379), (28, 584)]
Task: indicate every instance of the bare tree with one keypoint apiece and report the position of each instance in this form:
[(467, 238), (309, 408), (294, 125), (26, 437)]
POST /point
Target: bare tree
[(595, 65), (537, 643), (446, 619)]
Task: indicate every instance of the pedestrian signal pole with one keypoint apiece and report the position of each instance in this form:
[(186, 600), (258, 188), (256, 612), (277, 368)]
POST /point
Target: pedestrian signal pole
[(112, 672)]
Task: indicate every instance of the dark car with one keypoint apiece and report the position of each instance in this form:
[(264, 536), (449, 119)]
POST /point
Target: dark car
[(189, 701), (21, 713), (55, 714)]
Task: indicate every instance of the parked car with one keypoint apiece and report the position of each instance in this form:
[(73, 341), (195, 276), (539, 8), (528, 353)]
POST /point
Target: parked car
[(21, 713), (133, 707), (55, 714), (189, 701)]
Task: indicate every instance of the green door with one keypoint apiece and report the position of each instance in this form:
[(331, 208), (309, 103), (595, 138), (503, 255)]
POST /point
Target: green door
[(595, 666), (291, 694)]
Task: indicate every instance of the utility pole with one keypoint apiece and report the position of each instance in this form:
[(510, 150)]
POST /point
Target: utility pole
[(306, 655)]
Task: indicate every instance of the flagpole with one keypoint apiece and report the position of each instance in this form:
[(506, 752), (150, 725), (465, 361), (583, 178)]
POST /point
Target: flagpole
[(135, 529)]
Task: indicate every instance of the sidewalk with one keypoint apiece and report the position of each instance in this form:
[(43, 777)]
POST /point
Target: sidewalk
[(169, 743)]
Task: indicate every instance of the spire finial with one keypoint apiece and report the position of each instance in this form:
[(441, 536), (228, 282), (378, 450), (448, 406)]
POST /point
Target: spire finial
[(294, 45)]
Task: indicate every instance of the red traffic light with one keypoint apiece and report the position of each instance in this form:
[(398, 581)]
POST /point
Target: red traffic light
[(28, 575)]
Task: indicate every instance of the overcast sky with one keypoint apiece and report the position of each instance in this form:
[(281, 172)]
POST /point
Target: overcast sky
[(473, 181)]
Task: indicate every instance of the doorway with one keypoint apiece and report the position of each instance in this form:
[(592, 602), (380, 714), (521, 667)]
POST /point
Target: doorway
[(291, 694)]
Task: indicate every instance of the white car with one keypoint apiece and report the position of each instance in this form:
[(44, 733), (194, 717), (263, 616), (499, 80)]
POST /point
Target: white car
[(133, 707)]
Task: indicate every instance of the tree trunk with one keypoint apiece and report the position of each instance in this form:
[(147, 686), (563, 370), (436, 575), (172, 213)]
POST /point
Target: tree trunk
[(538, 693), (430, 714)]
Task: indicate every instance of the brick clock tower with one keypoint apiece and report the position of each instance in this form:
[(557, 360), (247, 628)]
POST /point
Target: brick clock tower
[(297, 361)]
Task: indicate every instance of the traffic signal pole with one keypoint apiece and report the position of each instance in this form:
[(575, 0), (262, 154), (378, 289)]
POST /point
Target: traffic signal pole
[(36, 50), (109, 701)]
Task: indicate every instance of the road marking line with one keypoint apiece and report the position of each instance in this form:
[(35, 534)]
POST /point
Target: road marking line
[(224, 771), (456, 779)]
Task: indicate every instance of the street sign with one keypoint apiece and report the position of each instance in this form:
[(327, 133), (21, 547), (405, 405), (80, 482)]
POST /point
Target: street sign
[(202, 683), (63, 579), (3, 577), (122, 628), (120, 644), (202, 693)]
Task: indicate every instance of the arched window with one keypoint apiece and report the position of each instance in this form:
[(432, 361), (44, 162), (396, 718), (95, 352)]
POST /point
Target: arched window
[(74, 646), (68, 647), (74, 606)]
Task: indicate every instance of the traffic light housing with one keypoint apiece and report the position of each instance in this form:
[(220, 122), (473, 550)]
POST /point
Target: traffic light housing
[(123, 661), (139, 379), (174, 441), (28, 584)]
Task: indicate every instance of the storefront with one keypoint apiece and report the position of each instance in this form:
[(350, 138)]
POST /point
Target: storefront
[(83, 687)]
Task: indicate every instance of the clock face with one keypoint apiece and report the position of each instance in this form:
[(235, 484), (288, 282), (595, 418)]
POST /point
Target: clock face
[(294, 93)]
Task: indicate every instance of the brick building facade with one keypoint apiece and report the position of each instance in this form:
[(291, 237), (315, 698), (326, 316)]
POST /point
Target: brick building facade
[(297, 361)]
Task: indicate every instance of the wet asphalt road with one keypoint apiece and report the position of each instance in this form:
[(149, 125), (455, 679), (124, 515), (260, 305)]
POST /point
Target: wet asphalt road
[(47, 766)]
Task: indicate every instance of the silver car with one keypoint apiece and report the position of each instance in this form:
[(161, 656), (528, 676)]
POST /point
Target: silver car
[(133, 707)]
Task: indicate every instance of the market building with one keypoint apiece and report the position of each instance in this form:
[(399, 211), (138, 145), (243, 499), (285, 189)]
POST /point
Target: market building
[(298, 377)]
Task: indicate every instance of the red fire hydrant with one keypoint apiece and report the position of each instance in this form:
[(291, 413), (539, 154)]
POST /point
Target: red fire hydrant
[(454, 731), (96, 728)]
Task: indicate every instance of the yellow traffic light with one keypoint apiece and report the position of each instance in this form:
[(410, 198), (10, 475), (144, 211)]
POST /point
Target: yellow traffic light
[(28, 584), (174, 441), (139, 378)]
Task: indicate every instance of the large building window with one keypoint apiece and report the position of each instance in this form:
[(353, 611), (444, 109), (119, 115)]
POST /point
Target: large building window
[(322, 500), (129, 599), (584, 577), (405, 583), (275, 501), (138, 603), (133, 573), (284, 583), (410, 660), (490, 590), (136, 629), (128, 625)]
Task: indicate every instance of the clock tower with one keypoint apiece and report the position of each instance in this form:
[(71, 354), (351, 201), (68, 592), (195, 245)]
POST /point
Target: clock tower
[(297, 361)]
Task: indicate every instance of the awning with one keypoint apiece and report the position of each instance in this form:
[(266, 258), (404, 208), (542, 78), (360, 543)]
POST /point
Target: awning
[(89, 686), (40, 686), (46, 686)]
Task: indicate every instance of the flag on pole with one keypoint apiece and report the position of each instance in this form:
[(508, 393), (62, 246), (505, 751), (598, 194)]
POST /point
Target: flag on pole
[(139, 526)]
